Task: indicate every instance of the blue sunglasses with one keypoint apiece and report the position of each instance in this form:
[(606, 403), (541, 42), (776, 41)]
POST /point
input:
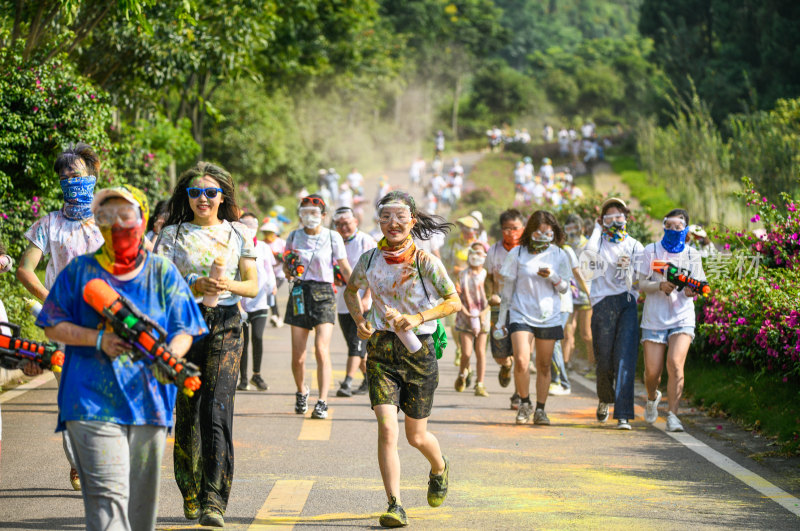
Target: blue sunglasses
[(210, 193)]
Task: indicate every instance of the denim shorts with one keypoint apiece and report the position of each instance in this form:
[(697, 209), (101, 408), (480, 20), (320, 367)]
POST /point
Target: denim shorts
[(662, 336)]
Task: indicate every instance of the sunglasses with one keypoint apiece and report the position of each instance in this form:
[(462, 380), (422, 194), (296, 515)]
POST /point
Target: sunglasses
[(316, 201), (210, 193)]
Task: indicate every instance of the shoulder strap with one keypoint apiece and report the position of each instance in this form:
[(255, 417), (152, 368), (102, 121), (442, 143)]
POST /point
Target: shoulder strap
[(371, 256), (419, 272)]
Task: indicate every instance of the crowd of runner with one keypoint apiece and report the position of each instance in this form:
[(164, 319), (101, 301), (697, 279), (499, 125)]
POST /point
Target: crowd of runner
[(209, 274)]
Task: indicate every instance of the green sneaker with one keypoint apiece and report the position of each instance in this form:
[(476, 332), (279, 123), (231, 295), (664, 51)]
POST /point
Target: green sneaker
[(212, 518), (437, 485), (591, 375), (191, 509), (395, 515)]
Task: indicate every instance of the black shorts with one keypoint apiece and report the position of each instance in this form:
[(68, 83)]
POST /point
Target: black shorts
[(400, 378), (319, 302), (501, 348), (355, 347), (550, 332)]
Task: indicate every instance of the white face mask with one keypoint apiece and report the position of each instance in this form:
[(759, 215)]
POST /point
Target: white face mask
[(476, 260), (310, 221)]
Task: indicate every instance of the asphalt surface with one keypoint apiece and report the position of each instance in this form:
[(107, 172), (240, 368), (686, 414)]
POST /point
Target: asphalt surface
[(293, 472)]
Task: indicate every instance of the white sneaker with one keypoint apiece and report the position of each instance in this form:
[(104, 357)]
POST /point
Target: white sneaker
[(651, 409), (557, 390), (532, 367), (673, 423), (623, 424), (524, 413)]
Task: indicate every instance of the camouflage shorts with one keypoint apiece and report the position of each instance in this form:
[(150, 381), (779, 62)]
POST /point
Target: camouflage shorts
[(501, 348), (400, 378)]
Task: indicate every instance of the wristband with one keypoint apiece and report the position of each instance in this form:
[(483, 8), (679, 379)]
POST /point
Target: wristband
[(99, 344), (555, 279), (422, 319), (191, 278)]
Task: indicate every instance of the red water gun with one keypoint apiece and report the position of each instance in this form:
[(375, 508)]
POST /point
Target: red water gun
[(293, 263), (15, 351), (681, 277), (147, 337)]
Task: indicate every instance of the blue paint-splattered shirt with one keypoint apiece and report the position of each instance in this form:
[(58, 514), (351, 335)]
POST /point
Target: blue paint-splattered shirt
[(93, 387)]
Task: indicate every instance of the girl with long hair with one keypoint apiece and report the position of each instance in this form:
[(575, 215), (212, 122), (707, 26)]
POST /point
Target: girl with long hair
[(202, 237), (535, 274), (402, 371)]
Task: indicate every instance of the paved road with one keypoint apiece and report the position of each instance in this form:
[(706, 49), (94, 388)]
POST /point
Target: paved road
[(295, 472)]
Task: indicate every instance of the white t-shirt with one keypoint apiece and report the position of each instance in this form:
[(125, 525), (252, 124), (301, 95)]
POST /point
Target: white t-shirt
[(676, 310), (195, 248), (495, 259), (355, 179), (265, 262), (63, 239), (399, 286), (535, 302), (360, 243), (566, 298), (278, 245), (317, 252), (610, 280)]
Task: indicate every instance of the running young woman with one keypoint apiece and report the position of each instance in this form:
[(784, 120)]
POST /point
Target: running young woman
[(512, 225), (615, 327), (668, 320), (406, 282), (312, 304), (473, 320), (535, 275), (202, 231)]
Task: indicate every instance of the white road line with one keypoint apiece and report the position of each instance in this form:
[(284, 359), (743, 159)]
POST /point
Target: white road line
[(22, 389), (751, 479)]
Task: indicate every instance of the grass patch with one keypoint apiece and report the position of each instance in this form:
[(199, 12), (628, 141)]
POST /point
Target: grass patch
[(653, 198), (756, 401)]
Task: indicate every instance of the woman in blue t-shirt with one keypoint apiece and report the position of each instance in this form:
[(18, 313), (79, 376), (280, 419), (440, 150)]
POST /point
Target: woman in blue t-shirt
[(115, 409)]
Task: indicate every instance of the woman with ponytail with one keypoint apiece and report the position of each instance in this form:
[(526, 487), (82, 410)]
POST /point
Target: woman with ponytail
[(402, 370)]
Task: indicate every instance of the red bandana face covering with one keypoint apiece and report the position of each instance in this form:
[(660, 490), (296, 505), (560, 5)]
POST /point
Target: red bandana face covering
[(123, 250), (404, 252), (511, 239)]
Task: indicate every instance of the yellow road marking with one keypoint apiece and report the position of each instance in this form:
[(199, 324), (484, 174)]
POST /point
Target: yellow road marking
[(283, 505), (316, 429)]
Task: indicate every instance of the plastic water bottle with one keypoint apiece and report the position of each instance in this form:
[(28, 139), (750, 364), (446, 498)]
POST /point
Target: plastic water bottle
[(34, 307), (475, 321), (499, 333), (210, 301), (408, 337)]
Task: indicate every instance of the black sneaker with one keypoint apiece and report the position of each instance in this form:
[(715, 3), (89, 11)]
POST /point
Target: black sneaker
[(320, 410), (259, 382), (602, 412), (345, 390), (301, 402), (395, 515), (242, 385), (515, 400), (437, 485), (362, 389)]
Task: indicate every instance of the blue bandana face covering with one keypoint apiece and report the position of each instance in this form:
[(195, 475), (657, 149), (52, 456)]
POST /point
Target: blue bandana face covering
[(674, 241), (78, 193)]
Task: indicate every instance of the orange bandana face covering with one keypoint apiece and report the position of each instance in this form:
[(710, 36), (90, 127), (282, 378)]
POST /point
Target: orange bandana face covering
[(123, 250), (511, 239), (399, 254)]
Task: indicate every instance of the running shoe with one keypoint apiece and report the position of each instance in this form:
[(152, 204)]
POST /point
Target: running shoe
[(532, 367), (623, 424), (275, 321), (301, 402), (540, 418), (191, 509), (242, 386), (504, 376), (591, 375), (74, 479), (602, 412), (651, 409), (259, 382), (558, 390), (480, 389), (437, 485), (524, 413), (470, 374), (673, 423), (461, 382), (345, 390), (395, 515), (515, 401), (362, 389), (212, 518), (320, 410)]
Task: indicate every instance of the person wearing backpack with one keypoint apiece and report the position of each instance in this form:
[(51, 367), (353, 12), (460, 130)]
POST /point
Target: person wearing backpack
[(404, 334)]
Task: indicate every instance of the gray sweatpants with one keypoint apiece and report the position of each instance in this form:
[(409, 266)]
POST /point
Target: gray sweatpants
[(120, 469), (68, 451)]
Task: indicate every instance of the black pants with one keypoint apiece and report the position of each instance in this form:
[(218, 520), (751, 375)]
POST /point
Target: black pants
[(255, 325), (204, 423)]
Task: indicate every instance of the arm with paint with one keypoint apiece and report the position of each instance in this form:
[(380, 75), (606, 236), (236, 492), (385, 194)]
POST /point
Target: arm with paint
[(356, 281)]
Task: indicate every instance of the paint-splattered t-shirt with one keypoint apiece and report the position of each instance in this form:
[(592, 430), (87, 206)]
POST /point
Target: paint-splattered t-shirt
[(195, 248), (317, 252), (399, 286), (93, 387), (358, 244), (63, 239)]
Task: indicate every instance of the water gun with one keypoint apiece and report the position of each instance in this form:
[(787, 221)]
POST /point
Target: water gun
[(15, 351), (147, 337), (293, 263), (338, 276), (681, 277)]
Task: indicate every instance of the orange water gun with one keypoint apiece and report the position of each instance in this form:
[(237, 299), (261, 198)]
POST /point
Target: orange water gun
[(293, 263), (16, 351), (681, 277), (147, 337)]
